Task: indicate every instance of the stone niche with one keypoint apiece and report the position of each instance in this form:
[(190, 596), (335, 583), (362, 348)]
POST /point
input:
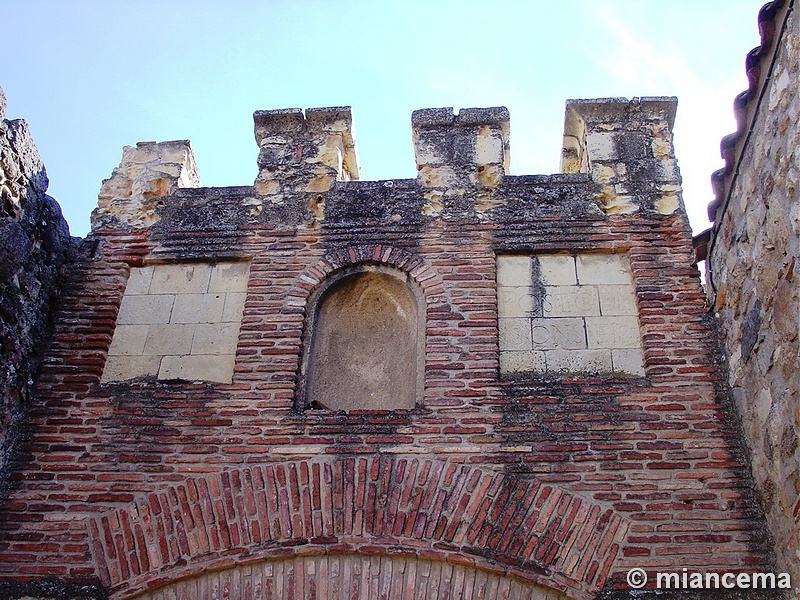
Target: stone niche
[(364, 343), (179, 321), (568, 314)]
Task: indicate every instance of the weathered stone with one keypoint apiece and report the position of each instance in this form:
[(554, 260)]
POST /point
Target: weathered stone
[(522, 362), (198, 308), (34, 250), (613, 332), (118, 368), (168, 338), (514, 302), (215, 338), (393, 371), (180, 279), (196, 367), (470, 149), (570, 316), (611, 269), (579, 361), (145, 310), (754, 246), (558, 334), (570, 301), (617, 300), (128, 340), (628, 362), (557, 270), (15, 247), (515, 334), (147, 173)]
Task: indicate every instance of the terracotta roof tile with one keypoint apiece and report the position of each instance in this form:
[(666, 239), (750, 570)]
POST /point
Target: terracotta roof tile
[(758, 59)]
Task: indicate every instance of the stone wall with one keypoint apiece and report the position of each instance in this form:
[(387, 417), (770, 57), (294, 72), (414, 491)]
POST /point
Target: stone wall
[(34, 245), (560, 478), (754, 255)]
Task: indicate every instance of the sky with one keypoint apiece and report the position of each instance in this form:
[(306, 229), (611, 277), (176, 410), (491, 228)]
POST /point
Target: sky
[(92, 76)]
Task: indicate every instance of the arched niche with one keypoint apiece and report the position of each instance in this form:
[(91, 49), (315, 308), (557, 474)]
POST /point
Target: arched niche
[(364, 342)]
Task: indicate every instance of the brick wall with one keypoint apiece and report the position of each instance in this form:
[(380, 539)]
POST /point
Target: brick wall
[(558, 480), (752, 262)]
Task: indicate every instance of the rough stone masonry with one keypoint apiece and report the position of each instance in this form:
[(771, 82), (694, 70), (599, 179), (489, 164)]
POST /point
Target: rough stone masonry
[(219, 412)]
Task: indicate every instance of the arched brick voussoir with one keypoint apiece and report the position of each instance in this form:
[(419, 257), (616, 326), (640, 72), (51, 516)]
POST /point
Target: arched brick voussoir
[(426, 507), (416, 267)]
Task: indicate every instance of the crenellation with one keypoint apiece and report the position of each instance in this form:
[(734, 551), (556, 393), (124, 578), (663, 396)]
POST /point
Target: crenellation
[(147, 173), (626, 146), (304, 152), (469, 149)]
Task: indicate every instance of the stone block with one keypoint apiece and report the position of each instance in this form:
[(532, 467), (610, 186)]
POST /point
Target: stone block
[(169, 339), (489, 147), (121, 368), (515, 334), (514, 302), (128, 340), (628, 362), (443, 176), (613, 332), (229, 277), (180, 279), (520, 362), (557, 269), (561, 334), (570, 301), (579, 361), (603, 269), (201, 367), (602, 146), (668, 204), (217, 338), (198, 308), (514, 271), (234, 307), (617, 300), (432, 147), (145, 310), (139, 281)]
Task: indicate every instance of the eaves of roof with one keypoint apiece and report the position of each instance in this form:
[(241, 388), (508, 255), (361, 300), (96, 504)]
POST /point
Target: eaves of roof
[(771, 20)]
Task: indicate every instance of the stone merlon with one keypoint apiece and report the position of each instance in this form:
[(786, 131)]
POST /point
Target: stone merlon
[(146, 174), (308, 152), (474, 145), (626, 145)]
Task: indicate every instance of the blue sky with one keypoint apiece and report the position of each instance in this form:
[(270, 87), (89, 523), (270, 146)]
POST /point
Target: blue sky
[(91, 76)]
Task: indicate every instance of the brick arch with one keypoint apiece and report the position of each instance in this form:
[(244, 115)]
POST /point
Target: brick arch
[(382, 254), (425, 283), (433, 509)]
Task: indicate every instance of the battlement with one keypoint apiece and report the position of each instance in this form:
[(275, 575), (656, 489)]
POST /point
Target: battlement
[(463, 165)]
